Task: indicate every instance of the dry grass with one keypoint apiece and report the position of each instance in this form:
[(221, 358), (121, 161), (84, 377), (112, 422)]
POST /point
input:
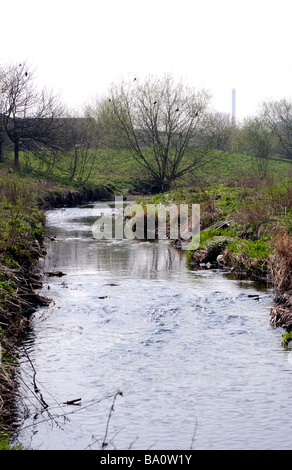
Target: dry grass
[(281, 276), (247, 179), (281, 264)]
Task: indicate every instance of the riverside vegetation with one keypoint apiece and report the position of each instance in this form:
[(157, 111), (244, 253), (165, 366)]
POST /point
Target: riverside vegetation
[(246, 226)]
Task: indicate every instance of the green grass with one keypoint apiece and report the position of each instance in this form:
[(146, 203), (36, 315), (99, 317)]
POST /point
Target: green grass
[(111, 167), (120, 169), (229, 165), (211, 233), (257, 249), (21, 230), (5, 444)]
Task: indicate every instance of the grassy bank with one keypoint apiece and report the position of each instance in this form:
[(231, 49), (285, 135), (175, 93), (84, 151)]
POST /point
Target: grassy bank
[(21, 229), (118, 170), (21, 225), (22, 220)]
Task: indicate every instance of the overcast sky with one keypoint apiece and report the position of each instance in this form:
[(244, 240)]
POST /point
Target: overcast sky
[(78, 48)]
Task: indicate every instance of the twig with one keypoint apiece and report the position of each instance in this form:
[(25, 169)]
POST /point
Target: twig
[(194, 435), (65, 414), (104, 443), (36, 389)]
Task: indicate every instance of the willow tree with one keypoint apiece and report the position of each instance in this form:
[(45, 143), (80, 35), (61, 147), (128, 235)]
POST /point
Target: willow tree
[(161, 121)]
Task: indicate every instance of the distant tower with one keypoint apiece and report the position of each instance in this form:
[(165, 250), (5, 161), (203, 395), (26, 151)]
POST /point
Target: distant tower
[(233, 106)]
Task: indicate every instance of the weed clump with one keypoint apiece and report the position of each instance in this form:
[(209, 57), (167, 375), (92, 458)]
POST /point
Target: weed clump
[(281, 275), (281, 264)]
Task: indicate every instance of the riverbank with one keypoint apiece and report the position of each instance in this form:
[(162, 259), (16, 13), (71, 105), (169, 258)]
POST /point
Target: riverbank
[(22, 221), (246, 227), (267, 260)]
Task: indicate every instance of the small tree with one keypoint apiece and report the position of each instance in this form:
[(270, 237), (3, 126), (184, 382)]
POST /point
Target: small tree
[(278, 116), (3, 137), (108, 128), (257, 141), (83, 139), (161, 122), (218, 130), (30, 118)]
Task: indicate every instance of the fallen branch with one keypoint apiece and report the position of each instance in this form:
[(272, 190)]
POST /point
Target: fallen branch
[(76, 401)]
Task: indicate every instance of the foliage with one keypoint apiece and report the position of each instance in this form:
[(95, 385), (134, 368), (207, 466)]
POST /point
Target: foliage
[(5, 443)]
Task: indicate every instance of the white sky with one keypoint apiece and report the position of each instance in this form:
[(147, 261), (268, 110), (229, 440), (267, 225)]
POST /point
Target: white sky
[(79, 47)]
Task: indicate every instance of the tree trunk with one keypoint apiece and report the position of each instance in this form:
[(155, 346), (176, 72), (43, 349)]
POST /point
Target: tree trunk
[(16, 154)]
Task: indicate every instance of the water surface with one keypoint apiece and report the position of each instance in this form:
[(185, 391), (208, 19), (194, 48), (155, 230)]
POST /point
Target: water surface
[(192, 351)]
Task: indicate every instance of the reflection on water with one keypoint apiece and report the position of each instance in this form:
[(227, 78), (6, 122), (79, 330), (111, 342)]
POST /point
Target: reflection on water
[(191, 351), (75, 250), (140, 259)]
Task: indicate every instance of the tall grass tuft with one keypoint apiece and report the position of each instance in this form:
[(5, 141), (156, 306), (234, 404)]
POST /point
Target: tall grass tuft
[(281, 264)]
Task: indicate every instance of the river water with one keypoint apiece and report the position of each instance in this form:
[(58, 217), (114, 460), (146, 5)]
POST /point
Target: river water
[(192, 352)]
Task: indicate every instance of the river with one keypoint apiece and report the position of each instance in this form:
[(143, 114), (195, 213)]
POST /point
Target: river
[(192, 352)]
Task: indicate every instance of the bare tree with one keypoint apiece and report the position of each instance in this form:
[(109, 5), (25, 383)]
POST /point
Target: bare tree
[(161, 122), (257, 141), (218, 130), (30, 117), (108, 129), (2, 129), (83, 140), (278, 116)]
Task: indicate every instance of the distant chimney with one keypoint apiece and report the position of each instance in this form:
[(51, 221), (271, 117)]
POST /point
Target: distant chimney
[(233, 106)]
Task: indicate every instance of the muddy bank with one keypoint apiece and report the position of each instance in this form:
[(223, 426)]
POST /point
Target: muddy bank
[(21, 281), (281, 315), (26, 277), (67, 197), (205, 259)]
